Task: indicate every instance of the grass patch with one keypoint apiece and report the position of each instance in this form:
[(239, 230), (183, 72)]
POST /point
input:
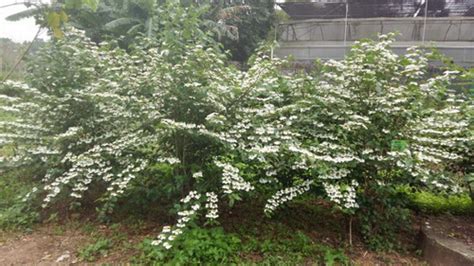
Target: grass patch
[(198, 245), (296, 249), (215, 246), (105, 240), (247, 237), (93, 251)]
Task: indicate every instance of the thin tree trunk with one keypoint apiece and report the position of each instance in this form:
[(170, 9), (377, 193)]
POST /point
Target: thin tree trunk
[(350, 231), (150, 26)]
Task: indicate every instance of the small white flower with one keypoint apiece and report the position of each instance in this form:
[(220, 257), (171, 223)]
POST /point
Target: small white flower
[(198, 175), (167, 245)]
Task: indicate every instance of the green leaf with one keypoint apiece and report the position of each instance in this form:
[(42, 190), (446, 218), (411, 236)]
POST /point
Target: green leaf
[(54, 22), (92, 4), (63, 16), (114, 24), (73, 4), (469, 178), (399, 145), (134, 29), (77, 4), (24, 14)]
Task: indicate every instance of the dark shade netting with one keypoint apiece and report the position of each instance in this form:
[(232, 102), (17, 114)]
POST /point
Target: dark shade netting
[(331, 9)]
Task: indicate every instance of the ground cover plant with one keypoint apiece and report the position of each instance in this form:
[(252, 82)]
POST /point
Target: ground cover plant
[(171, 123)]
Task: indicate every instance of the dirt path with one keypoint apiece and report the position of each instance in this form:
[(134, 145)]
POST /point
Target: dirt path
[(46, 246)]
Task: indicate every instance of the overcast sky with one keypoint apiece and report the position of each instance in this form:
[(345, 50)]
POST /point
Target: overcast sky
[(19, 31)]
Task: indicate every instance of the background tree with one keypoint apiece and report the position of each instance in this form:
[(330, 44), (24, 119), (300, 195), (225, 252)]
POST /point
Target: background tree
[(253, 26), (239, 25), (11, 52)]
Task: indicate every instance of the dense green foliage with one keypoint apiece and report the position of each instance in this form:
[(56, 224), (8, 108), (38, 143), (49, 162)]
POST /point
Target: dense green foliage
[(240, 26), (196, 246), (15, 213), (92, 251), (431, 203), (214, 246), (254, 26)]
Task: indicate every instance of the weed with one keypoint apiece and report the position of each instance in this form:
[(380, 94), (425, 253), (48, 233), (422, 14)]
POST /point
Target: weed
[(195, 246), (293, 249), (92, 251), (14, 212)]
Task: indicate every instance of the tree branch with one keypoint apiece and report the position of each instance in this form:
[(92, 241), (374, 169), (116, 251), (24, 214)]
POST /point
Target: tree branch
[(22, 56), (22, 3)]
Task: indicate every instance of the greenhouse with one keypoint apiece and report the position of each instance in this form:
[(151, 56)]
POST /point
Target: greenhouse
[(327, 29)]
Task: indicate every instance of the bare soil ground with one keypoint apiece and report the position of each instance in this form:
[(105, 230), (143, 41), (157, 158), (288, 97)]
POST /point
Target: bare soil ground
[(59, 244), (42, 247)]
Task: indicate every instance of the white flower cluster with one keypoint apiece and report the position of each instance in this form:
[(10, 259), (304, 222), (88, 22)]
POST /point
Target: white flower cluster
[(90, 165), (343, 196), (211, 206), (335, 174), (192, 195), (169, 234), (439, 185), (119, 185), (72, 131), (231, 180), (169, 160), (29, 194), (166, 237), (285, 195), (198, 175)]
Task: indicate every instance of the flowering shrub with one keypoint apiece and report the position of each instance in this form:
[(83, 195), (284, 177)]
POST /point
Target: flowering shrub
[(179, 115), (359, 129)]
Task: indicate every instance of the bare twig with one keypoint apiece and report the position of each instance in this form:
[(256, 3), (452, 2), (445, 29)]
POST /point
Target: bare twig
[(22, 56), (245, 92)]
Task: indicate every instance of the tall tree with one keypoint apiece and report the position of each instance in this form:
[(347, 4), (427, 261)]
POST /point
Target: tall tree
[(253, 25), (240, 25)]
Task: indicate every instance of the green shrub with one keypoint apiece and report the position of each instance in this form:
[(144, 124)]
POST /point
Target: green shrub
[(214, 246), (195, 246), (171, 120), (92, 251), (15, 212), (429, 202), (383, 216), (286, 247), (17, 216)]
